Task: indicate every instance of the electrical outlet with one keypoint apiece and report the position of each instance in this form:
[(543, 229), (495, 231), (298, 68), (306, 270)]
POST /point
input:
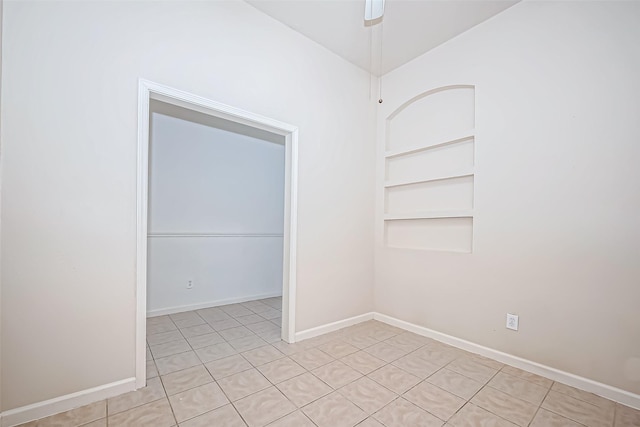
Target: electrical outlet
[(189, 284), (512, 321)]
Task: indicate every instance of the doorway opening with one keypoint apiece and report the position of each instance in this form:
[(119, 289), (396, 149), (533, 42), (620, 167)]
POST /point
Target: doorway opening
[(152, 93)]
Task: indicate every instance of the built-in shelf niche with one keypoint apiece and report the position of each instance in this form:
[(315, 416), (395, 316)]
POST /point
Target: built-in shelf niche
[(443, 160), (429, 171), (452, 194), (451, 234)]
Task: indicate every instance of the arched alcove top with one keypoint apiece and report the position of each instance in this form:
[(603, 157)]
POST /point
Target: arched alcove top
[(424, 95), (432, 117)]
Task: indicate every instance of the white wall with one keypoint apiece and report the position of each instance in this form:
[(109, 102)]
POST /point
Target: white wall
[(1, 38), (225, 190), (556, 196), (69, 129)]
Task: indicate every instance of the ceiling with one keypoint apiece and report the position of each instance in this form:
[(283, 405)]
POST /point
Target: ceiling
[(409, 27)]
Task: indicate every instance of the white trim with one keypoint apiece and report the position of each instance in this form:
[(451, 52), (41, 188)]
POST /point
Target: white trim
[(198, 103), (67, 402), (200, 306), (618, 395), (334, 326), (604, 390), (144, 93), (148, 90), (290, 238)]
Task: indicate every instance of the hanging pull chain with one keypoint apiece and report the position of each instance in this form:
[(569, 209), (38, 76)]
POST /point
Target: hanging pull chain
[(370, 60), (380, 64)]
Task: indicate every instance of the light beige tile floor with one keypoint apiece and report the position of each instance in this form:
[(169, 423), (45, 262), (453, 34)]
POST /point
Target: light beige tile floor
[(227, 367)]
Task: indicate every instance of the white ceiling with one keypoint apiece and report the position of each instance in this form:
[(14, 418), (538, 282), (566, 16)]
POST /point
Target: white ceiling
[(409, 27)]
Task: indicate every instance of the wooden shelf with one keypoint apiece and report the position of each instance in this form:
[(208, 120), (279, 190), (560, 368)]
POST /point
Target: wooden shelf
[(459, 174), (457, 213), (453, 139)]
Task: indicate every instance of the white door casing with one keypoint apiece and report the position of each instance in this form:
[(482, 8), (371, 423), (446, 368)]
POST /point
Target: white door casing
[(147, 91)]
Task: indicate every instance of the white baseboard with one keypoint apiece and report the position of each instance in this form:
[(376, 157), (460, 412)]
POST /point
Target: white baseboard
[(210, 304), (54, 406), (604, 390), (330, 327), (64, 403)]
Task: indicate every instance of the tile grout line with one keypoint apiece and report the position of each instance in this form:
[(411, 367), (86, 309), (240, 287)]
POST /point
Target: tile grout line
[(479, 390), (173, 413), (541, 402)]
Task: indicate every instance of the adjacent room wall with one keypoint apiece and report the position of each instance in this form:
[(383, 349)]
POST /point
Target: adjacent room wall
[(556, 230), (69, 129), (216, 213)]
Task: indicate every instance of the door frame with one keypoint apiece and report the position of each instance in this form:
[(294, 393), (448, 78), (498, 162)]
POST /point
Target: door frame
[(147, 91)]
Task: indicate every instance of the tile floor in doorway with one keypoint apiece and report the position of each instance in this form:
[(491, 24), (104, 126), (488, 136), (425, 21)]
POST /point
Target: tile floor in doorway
[(227, 367)]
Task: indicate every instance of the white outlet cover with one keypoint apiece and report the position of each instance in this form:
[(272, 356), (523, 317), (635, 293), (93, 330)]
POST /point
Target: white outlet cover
[(512, 321)]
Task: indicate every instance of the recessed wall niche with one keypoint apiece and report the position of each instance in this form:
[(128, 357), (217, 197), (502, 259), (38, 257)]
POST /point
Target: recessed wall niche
[(438, 234), (429, 171), (441, 195)]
